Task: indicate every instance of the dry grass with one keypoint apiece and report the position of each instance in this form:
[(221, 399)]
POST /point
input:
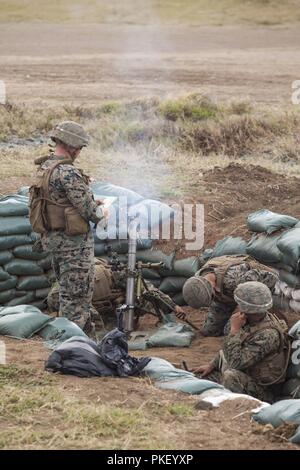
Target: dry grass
[(265, 12)]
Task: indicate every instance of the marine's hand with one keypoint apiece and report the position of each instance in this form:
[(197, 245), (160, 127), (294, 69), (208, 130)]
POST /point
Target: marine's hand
[(237, 321), (203, 370), (180, 313)]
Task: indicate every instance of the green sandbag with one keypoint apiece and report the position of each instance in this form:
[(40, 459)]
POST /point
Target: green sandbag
[(3, 275), (281, 303), (284, 411), (291, 388), (291, 279), (13, 205), (229, 246), (45, 263), (7, 295), (40, 304), (21, 293), (42, 293), (59, 330), (9, 284), (26, 299), (99, 249), (15, 226), (25, 251), (107, 189), (269, 222), (183, 267), (265, 249), (172, 334), (5, 257), (33, 282), (289, 245), (22, 267), (156, 256), (172, 285), (166, 376), (179, 300), (150, 274), (155, 282), (21, 321), (24, 191), (11, 241)]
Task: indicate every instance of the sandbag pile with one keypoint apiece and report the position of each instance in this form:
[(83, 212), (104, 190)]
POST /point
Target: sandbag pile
[(291, 387), (275, 242), (25, 276)]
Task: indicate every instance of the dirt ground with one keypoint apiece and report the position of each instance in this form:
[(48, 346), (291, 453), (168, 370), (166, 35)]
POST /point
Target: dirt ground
[(87, 63)]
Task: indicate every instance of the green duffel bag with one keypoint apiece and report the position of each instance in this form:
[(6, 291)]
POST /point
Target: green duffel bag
[(156, 256), (264, 249), (33, 282), (3, 275), (172, 285), (5, 257), (25, 300), (9, 284), (179, 300), (21, 321), (22, 267), (269, 222), (289, 245), (13, 205), (45, 263), (7, 295), (42, 293), (25, 252), (59, 330), (11, 241), (15, 226)]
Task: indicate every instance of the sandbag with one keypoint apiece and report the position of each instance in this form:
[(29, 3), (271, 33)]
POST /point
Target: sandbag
[(33, 282), (264, 249), (5, 257), (40, 304), (291, 279), (150, 215), (155, 282), (172, 285), (269, 222), (24, 191), (100, 249), (107, 189), (3, 275), (294, 364), (9, 284), (11, 241), (172, 334), (151, 274), (186, 267), (280, 304), (15, 226), (59, 330), (229, 246), (289, 245), (166, 376), (22, 321), (296, 295), (295, 306), (13, 205), (42, 293), (284, 411), (26, 299), (45, 263), (7, 295), (156, 256), (291, 388), (178, 299), (22, 267), (25, 251)]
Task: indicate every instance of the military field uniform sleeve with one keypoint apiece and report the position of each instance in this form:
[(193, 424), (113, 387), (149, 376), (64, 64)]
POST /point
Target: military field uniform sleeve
[(266, 277), (78, 192), (241, 355)]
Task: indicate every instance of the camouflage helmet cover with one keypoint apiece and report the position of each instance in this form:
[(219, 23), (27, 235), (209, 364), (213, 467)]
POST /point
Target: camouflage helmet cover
[(253, 297), (197, 292), (70, 133)]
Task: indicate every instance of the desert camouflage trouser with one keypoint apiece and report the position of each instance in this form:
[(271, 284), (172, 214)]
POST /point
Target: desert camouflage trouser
[(217, 319), (238, 382), (73, 264)]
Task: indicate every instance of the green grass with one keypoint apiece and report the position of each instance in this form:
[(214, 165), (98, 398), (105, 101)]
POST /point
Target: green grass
[(263, 12)]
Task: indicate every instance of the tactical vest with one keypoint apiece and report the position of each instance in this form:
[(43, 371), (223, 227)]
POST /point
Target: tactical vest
[(45, 214), (272, 369), (105, 295), (219, 266)]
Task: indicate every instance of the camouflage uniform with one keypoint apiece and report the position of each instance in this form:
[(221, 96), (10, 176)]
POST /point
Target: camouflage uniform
[(72, 256), (220, 312), (232, 366)]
